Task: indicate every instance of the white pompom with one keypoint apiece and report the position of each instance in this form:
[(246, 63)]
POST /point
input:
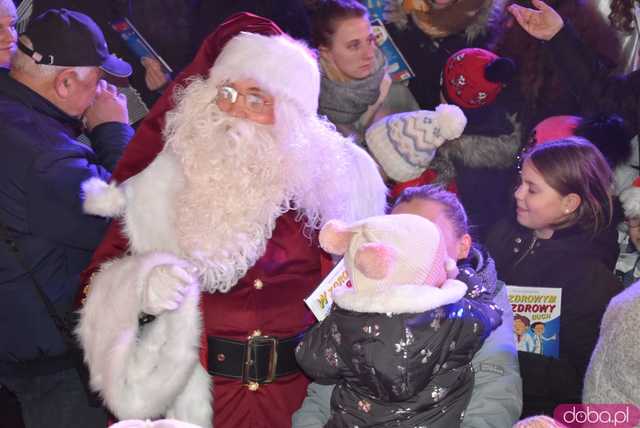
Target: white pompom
[(451, 120), (102, 199)]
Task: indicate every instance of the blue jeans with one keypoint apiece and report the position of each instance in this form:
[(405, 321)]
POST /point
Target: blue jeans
[(58, 400)]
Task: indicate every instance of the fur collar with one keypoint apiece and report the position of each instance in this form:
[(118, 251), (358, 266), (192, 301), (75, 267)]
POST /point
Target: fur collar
[(485, 16), (496, 152), (409, 298)]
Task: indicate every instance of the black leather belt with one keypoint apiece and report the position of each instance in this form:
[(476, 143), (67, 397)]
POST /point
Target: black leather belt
[(261, 359)]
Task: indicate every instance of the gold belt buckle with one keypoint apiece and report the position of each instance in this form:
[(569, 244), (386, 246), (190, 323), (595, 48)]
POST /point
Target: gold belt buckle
[(249, 358)]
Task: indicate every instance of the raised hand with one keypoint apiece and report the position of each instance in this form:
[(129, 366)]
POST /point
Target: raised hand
[(108, 106), (154, 76), (543, 22)]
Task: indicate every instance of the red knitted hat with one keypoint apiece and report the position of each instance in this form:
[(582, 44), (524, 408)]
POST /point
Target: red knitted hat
[(473, 78)]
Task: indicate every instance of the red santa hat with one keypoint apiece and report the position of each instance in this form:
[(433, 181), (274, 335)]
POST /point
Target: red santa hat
[(473, 78), (630, 199), (282, 66)]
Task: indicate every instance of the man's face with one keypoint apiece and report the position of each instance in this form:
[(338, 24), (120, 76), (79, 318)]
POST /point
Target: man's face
[(84, 92), (519, 327), (246, 100), (539, 329)]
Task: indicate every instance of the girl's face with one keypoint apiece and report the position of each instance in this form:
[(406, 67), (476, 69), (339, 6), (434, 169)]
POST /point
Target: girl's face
[(539, 206), (353, 48), (457, 247)]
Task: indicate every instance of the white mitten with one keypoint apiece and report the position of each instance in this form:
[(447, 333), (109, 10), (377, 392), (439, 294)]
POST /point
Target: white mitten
[(166, 286)]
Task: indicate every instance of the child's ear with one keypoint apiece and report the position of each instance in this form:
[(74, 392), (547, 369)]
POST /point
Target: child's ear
[(335, 237), (375, 260)]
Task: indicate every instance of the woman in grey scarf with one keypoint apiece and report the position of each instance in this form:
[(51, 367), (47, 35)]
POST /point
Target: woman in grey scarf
[(355, 89)]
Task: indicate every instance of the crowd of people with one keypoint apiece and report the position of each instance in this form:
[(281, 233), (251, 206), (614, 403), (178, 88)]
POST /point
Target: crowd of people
[(156, 269)]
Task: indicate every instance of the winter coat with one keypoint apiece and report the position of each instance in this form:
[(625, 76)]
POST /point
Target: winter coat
[(41, 169), (400, 369), (590, 80), (583, 268), (496, 399), (612, 376)]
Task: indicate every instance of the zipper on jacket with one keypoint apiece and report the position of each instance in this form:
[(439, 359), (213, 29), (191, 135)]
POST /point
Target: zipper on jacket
[(526, 253)]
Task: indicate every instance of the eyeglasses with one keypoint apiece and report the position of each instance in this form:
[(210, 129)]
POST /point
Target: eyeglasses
[(227, 96)]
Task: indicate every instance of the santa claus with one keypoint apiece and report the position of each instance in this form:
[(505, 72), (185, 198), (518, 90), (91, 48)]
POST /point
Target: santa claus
[(221, 229)]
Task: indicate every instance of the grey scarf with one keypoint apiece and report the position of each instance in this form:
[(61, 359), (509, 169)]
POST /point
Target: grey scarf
[(344, 102)]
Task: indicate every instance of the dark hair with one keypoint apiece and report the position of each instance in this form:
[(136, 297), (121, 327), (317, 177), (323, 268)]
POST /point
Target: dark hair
[(326, 14), (609, 134), (522, 318), (621, 16), (452, 206), (574, 165), (535, 324)]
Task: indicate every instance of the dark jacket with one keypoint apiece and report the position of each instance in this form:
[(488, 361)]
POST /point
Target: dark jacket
[(578, 264), (401, 370), (591, 82), (41, 169)]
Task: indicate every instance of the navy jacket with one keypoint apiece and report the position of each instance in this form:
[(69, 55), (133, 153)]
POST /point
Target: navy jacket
[(42, 166)]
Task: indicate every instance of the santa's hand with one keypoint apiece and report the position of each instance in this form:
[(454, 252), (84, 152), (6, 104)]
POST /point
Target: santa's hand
[(166, 287)]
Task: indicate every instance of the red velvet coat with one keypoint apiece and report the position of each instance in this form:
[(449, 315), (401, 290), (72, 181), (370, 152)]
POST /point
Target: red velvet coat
[(288, 272)]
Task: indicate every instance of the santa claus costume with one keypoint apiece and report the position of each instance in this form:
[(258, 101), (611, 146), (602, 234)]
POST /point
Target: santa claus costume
[(221, 230)]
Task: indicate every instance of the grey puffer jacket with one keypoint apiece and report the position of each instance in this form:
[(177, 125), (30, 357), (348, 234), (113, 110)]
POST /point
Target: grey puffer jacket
[(401, 369)]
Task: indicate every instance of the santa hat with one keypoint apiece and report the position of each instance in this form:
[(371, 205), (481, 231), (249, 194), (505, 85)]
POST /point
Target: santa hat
[(630, 199), (284, 67), (394, 263), (473, 78), (405, 143)]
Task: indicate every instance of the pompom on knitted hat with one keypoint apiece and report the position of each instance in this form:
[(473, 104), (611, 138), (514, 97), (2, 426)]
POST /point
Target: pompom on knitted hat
[(473, 78)]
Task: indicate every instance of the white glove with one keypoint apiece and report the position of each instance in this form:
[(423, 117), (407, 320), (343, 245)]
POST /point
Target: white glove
[(166, 286)]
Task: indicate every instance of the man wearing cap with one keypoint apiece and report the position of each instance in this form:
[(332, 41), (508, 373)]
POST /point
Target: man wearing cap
[(221, 231), (53, 90)]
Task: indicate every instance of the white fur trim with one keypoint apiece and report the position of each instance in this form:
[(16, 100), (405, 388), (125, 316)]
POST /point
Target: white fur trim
[(282, 66), (142, 373), (162, 423), (366, 189), (148, 220), (397, 299), (451, 119), (102, 199), (630, 199)]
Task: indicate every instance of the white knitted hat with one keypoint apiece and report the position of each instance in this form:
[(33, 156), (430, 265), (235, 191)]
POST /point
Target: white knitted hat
[(405, 143), (284, 67)]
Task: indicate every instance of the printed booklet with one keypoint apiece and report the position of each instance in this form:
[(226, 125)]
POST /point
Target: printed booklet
[(320, 300), (536, 319), (136, 43)]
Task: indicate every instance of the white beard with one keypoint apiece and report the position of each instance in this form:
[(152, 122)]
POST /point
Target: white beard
[(234, 190)]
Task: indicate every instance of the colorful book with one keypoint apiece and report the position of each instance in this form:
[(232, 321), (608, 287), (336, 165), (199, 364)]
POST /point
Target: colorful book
[(321, 299), (136, 43), (397, 67), (536, 319)]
